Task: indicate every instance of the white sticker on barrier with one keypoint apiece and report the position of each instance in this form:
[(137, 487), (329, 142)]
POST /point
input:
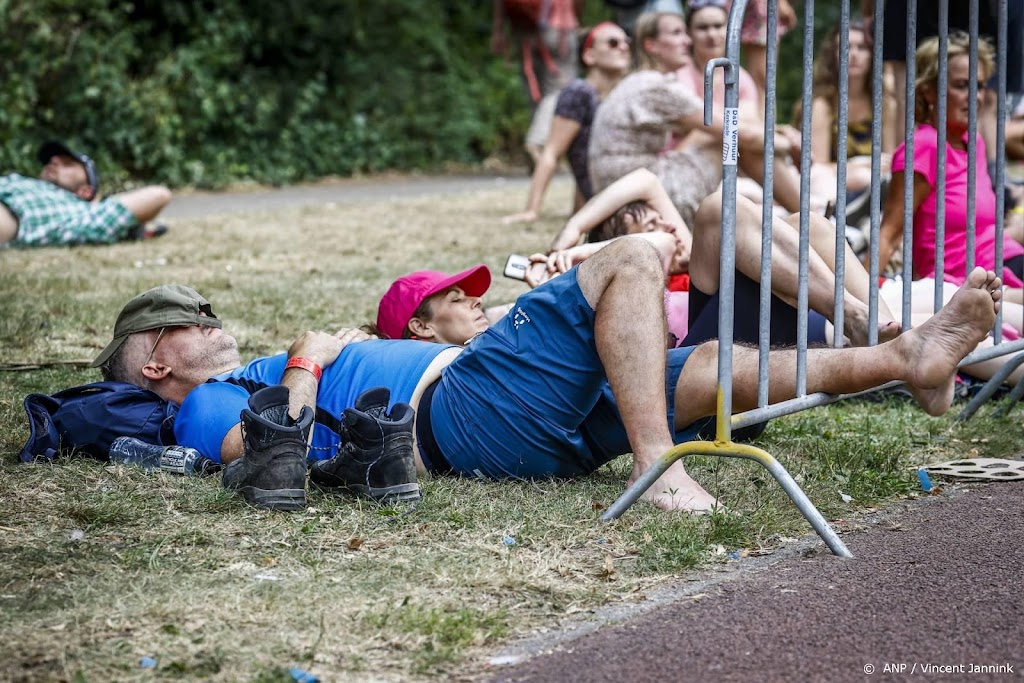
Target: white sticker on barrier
[(731, 137)]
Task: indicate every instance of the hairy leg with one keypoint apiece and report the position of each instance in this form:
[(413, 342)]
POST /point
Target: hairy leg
[(924, 357), (624, 283)]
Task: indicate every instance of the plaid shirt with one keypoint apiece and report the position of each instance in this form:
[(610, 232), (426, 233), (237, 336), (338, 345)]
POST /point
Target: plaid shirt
[(48, 214)]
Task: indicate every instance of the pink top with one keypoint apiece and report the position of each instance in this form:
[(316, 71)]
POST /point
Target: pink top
[(955, 264), (677, 313), (693, 78)]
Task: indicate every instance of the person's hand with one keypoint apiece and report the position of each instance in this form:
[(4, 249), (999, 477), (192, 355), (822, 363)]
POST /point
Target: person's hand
[(539, 271), (567, 238), (680, 259), (320, 347), (353, 334), (788, 141), (886, 163), (521, 217)]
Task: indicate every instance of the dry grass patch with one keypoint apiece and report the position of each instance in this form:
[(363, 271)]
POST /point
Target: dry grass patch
[(101, 565)]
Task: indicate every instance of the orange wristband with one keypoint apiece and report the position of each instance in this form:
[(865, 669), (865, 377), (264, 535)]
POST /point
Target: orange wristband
[(305, 364)]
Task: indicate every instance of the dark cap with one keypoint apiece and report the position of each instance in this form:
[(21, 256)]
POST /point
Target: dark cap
[(53, 148), (163, 306)]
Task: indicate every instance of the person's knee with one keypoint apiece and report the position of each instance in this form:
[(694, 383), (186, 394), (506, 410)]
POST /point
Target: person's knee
[(146, 202), (631, 260), (160, 196), (709, 213), (640, 257), (630, 257)]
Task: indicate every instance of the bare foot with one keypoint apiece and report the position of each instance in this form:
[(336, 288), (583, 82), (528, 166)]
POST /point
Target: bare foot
[(855, 324), (888, 331), (676, 490), (932, 351)]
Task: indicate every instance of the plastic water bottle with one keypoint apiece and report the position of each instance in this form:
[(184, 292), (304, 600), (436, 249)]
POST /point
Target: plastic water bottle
[(127, 450)]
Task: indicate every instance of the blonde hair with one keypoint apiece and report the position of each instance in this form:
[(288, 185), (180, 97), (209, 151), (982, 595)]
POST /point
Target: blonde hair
[(646, 28), (927, 78)]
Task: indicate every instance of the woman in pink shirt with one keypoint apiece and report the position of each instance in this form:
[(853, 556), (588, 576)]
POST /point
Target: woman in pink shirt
[(925, 176)]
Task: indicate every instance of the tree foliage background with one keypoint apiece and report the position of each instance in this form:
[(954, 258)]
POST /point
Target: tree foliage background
[(205, 93)]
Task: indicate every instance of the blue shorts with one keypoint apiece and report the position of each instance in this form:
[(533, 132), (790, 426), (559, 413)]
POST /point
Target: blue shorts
[(529, 397)]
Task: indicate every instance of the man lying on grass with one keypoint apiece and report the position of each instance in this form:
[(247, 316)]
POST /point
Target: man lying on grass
[(520, 400)]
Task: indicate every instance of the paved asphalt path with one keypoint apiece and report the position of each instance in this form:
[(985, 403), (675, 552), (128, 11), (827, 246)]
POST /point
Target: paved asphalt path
[(933, 593)]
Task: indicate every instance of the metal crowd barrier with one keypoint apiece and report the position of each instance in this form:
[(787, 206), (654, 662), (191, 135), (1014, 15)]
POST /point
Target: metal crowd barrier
[(723, 444)]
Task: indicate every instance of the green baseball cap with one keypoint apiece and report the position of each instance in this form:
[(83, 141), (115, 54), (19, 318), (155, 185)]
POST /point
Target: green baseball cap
[(163, 306)]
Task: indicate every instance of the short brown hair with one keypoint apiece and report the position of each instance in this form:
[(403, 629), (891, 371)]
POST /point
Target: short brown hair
[(617, 224)]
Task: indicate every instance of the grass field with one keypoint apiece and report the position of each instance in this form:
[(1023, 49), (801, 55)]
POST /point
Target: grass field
[(101, 566)]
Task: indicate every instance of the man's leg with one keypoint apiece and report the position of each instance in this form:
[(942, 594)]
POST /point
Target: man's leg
[(146, 202), (624, 284), (925, 358), (705, 264)]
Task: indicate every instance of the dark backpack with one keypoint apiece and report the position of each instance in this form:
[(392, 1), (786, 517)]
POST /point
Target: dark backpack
[(86, 420)]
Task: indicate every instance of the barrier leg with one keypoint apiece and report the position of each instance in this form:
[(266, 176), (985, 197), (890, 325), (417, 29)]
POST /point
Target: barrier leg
[(732, 450), (1015, 396), (990, 387)]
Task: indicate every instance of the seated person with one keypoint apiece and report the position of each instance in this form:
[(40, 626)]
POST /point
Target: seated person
[(60, 207), (925, 176), (649, 108), (437, 307), (860, 110), (604, 55), (706, 24), (637, 203), (515, 402)]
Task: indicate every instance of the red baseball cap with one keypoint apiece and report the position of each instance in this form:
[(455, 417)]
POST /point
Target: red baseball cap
[(409, 291)]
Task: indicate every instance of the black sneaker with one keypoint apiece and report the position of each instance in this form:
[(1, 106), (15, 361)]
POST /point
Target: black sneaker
[(147, 231), (376, 458), (272, 472)]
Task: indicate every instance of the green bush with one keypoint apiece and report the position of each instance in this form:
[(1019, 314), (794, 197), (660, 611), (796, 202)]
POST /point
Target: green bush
[(186, 92), (204, 93)]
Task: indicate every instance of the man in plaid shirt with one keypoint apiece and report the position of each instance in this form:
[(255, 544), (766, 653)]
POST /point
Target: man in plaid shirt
[(60, 206)]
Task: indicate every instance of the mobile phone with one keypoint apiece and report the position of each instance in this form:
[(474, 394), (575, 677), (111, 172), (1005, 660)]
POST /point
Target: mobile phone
[(516, 266)]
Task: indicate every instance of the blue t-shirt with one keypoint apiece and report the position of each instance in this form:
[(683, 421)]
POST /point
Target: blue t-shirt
[(212, 409)]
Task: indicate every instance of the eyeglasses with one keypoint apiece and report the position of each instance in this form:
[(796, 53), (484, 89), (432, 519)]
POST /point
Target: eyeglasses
[(153, 350)]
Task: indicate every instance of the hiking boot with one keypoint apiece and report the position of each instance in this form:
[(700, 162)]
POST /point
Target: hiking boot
[(376, 458), (272, 472)]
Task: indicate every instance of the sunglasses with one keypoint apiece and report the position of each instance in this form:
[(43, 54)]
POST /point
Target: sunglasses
[(615, 43)]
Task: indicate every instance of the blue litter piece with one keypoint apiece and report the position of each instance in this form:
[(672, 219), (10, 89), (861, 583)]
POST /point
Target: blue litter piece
[(508, 540), (301, 676), (147, 663), (926, 482), (734, 555)]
